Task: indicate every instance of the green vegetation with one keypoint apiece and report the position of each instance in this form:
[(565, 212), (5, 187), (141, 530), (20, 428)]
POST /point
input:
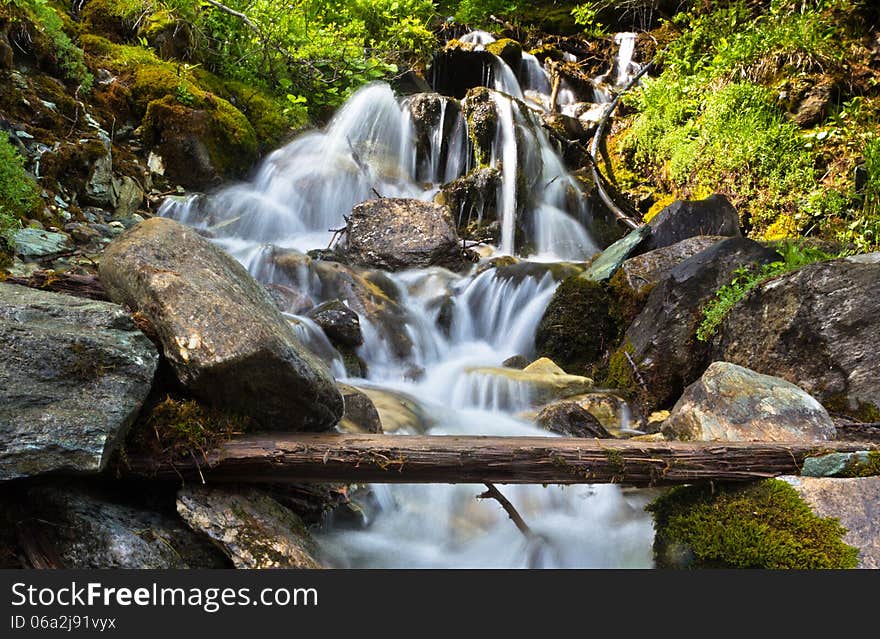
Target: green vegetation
[(722, 116), (794, 256), (761, 525), (19, 195), (59, 47)]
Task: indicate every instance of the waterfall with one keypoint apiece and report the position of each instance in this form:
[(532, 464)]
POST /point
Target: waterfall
[(430, 335)]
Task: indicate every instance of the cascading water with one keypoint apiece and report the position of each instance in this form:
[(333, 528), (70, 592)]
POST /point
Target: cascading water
[(429, 333)]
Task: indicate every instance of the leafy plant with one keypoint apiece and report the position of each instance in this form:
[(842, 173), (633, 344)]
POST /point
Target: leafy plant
[(746, 278)]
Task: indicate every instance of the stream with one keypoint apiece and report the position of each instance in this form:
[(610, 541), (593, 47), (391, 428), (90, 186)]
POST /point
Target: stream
[(448, 325)]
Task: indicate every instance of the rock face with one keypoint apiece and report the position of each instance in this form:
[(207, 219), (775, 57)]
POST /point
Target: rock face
[(731, 403), (251, 528), (33, 244), (643, 271), (92, 529), (568, 418), (816, 327), (458, 68), (220, 331), (854, 502), (339, 323), (682, 219), (394, 234), (73, 374), (662, 338), (473, 200)]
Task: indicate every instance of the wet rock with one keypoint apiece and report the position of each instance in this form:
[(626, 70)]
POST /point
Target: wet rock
[(36, 244), (374, 305), (90, 527), (394, 234), (816, 327), (251, 528), (473, 202), (339, 323), (508, 50), (682, 219), (516, 361), (661, 340), (605, 265), (569, 419), (399, 412), (732, 403), (221, 333), (541, 382), (360, 415), (73, 375), (481, 114), (854, 503), (642, 272), (611, 411)]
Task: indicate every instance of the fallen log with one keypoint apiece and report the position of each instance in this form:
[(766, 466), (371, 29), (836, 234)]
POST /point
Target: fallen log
[(88, 286), (334, 457)]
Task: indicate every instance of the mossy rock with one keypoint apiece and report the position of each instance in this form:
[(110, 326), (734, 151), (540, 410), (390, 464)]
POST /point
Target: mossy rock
[(106, 18), (578, 326), (547, 51), (761, 525), (482, 119), (202, 143), (508, 50)]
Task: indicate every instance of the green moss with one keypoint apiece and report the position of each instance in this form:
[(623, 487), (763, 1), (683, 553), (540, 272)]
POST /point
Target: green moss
[(578, 325), (508, 50), (19, 197), (760, 525), (620, 373)]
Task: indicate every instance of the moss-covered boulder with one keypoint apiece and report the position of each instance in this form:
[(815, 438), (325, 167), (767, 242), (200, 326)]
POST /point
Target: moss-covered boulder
[(481, 114), (201, 141), (578, 326), (508, 50), (761, 525)]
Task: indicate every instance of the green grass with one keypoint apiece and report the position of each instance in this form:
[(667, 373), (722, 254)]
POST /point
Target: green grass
[(19, 194), (714, 119)]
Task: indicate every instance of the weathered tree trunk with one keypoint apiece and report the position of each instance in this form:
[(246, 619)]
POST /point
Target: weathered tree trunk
[(333, 457)]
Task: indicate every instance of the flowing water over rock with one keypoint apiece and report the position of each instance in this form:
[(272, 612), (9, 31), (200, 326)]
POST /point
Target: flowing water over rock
[(428, 332)]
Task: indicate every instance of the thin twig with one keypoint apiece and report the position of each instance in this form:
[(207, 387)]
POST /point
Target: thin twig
[(494, 493), (638, 375)]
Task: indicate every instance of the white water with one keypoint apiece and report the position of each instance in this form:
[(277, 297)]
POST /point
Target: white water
[(304, 189)]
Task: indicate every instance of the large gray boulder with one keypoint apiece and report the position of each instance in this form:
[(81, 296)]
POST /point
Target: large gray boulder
[(854, 502), (730, 403), (661, 340), (642, 272), (394, 234), (817, 327), (251, 528), (224, 337), (73, 374), (91, 527), (682, 219)]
